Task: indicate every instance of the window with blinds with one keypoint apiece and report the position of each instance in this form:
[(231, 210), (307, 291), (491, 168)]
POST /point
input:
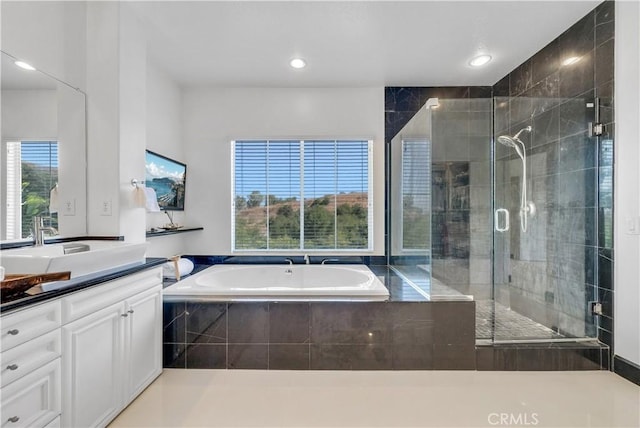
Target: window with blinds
[(302, 195), (32, 171)]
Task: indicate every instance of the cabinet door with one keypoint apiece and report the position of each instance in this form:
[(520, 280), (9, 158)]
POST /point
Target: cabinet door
[(92, 368), (144, 347)]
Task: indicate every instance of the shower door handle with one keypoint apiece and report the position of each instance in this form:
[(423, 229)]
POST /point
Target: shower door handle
[(497, 220)]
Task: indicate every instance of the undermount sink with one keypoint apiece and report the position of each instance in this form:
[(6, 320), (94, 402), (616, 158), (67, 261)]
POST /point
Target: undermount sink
[(74, 257)]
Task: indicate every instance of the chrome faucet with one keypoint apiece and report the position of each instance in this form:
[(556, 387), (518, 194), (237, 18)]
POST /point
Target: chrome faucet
[(39, 230), (306, 259), (290, 261), (329, 260)]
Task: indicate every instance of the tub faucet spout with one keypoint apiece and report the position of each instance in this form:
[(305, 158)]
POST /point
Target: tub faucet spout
[(290, 261), (306, 259)]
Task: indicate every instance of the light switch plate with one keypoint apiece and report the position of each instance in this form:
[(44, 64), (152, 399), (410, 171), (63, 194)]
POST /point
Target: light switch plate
[(105, 208), (69, 207)]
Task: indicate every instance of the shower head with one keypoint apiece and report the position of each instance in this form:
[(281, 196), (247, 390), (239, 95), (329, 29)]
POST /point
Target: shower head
[(505, 140), (509, 141)]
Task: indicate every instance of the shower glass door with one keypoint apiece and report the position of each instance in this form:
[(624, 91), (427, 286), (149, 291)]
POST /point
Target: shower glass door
[(544, 217)]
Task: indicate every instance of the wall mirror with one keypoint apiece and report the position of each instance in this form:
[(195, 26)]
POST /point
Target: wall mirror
[(43, 153)]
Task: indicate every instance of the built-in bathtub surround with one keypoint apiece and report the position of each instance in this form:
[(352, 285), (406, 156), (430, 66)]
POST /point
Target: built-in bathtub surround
[(565, 262), (406, 332), (320, 335)]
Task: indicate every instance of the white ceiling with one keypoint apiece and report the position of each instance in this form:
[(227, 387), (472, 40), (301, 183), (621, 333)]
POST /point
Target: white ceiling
[(348, 43)]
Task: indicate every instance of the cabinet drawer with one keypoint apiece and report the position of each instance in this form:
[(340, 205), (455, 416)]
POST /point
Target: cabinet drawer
[(25, 358), (24, 325), (33, 400), (54, 423), (86, 302)]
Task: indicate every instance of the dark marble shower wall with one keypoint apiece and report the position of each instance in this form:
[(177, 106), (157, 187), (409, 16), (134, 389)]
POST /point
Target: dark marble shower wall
[(565, 260)]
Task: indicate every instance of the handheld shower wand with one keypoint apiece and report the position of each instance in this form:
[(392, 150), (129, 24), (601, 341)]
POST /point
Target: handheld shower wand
[(517, 144)]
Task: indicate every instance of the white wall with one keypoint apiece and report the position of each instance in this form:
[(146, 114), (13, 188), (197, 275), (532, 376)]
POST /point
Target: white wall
[(214, 117), (133, 122), (627, 182), (103, 117), (164, 136), (116, 82)]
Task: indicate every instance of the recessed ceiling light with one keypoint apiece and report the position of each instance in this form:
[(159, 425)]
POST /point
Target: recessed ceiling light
[(479, 60), (24, 65), (298, 63), (571, 60)]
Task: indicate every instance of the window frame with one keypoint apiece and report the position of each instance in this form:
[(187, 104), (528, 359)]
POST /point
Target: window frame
[(301, 141)]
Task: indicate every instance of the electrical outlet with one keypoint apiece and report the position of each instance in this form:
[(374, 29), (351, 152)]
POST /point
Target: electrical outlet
[(633, 225), (105, 208), (69, 207)]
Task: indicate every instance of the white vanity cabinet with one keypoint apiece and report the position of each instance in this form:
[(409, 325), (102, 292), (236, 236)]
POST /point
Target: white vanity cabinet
[(112, 353), (79, 360), (30, 366)]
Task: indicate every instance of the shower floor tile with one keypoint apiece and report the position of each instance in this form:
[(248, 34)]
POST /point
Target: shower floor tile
[(508, 324)]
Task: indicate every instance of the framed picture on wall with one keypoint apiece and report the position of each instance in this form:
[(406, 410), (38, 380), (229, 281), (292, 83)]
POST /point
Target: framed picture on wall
[(168, 178)]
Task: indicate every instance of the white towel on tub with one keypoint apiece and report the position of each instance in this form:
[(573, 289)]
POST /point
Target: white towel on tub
[(185, 267)]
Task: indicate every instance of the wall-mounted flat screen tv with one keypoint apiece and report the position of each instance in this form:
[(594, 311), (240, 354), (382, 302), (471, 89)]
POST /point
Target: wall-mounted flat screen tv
[(167, 177)]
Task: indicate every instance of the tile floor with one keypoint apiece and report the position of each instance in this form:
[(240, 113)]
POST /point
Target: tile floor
[(256, 398)]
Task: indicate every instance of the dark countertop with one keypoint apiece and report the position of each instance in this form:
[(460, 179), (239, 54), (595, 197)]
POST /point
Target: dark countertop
[(80, 283)]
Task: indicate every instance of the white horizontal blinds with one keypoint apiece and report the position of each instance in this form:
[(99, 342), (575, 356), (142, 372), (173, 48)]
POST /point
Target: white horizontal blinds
[(13, 217), (283, 201), (352, 194), (307, 195), (249, 195), (320, 184), (416, 194), (39, 173)]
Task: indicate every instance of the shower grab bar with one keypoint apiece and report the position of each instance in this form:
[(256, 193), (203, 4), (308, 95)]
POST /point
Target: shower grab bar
[(497, 219)]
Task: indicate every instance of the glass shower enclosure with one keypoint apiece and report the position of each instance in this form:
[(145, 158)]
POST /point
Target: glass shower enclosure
[(482, 205)]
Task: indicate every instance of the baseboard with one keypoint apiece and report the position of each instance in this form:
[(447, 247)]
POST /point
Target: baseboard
[(626, 369)]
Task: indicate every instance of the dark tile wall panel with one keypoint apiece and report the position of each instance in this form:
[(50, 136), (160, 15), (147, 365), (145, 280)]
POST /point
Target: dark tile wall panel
[(206, 323), (289, 356), (248, 322), (546, 357), (206, 356), (321, 335)]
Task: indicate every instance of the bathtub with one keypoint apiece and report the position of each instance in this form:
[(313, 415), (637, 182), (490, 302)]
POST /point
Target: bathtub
[(279, 282)]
